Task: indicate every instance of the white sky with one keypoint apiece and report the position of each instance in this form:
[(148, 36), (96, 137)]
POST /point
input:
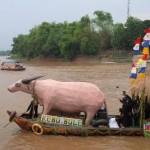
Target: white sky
[(19, 16)]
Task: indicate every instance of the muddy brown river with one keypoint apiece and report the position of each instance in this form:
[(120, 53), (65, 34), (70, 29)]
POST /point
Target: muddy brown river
[(105, 75)]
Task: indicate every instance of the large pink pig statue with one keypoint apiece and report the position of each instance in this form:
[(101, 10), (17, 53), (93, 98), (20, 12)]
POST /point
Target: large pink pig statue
[(63, 96)]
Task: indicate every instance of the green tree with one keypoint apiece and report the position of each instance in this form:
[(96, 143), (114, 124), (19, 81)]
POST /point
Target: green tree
[(119, 36), (134, 28), (20, 45), (68, 47), (103, 24), (88, 36), (103, 20)]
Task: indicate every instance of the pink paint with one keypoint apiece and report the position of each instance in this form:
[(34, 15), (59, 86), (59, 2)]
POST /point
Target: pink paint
[(64, 96)]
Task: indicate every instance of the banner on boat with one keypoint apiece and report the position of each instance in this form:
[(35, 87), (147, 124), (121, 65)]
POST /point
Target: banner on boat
[(61, 121), (147, 129)]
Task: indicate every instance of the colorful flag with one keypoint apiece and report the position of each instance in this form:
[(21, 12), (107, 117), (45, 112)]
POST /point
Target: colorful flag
[(145, 43), (133, 73), (140, 62), (136, 48)]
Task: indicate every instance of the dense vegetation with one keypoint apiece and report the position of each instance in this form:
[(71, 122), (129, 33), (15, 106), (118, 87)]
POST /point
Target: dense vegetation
[(88, 36)]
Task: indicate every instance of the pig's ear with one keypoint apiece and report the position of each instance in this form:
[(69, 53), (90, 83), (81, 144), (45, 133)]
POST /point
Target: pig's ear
[(18, 85)]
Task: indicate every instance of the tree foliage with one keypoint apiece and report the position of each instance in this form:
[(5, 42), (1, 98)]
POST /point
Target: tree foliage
[(119, 36), (134, 28), (88, 36)]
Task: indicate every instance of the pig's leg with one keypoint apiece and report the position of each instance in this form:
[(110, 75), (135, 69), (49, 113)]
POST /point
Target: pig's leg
[(46, 109), (89, 116)]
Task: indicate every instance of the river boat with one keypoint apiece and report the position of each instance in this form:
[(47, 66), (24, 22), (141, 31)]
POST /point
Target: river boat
[(72, 127), (12, 66)]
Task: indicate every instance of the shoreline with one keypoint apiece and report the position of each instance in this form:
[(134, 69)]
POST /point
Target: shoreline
[(82, 60)]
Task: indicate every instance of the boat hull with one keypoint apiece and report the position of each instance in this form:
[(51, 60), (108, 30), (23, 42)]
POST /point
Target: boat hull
[(13, 69), (27, 124)]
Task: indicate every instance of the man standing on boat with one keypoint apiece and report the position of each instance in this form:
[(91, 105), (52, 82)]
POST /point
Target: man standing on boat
[(126, 110)]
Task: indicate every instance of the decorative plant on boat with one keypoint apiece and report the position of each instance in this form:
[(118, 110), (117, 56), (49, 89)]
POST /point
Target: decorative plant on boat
[(140, 74)]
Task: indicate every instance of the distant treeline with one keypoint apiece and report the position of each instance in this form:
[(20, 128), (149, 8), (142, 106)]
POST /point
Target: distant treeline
[(4, 53), (88, 36)]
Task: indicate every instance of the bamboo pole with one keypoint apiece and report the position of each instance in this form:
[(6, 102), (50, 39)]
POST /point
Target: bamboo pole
[(142, 108)]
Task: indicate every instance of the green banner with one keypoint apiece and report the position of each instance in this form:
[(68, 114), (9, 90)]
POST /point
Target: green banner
[(147, 128)]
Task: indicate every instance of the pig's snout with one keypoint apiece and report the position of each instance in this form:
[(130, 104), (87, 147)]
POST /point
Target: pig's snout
[(10, 89)]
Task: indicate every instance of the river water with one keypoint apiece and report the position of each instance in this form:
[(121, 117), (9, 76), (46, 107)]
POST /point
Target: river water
[(106, 76)]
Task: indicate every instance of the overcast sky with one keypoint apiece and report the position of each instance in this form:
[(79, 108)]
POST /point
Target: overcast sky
[(19, 16)]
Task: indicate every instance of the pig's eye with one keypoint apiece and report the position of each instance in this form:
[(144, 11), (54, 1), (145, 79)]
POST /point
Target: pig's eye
[(18, 85)]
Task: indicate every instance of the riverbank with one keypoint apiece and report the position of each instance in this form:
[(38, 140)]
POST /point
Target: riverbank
[(80, 60)]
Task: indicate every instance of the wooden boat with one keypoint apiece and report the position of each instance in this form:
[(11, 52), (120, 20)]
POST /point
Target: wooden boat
[(40, 128), (12, 66), (13, 69)]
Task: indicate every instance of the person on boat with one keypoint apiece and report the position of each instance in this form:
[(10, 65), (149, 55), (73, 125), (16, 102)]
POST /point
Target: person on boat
[(136, 110), (102, 112), (33, 109), (101, 117), (126, 97), (126, 110)]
